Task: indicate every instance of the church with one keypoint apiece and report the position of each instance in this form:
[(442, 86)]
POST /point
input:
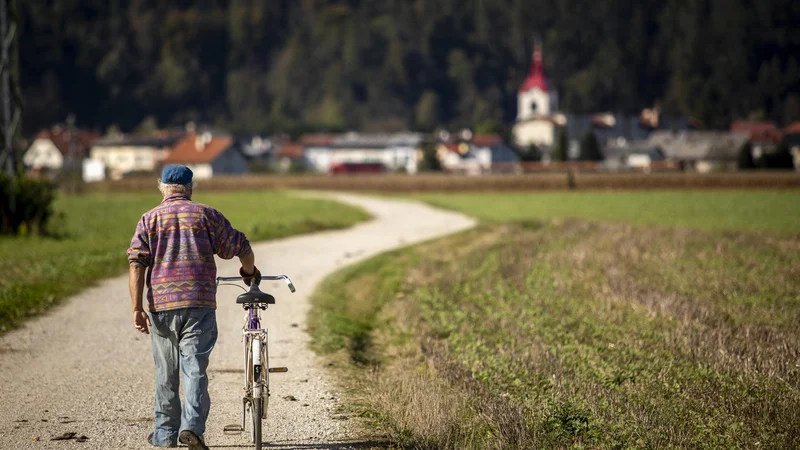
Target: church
[(537, 107)]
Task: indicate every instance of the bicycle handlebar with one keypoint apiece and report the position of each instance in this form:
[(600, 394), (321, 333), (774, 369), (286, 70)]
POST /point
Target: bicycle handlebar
[(263, 277)]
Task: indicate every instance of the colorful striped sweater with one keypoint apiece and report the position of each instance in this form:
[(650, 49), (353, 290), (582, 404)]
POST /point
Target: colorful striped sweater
[(177, 241)]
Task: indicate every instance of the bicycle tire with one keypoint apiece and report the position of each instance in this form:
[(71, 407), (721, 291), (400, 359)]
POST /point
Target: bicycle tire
[(256, 415), (265, 377)]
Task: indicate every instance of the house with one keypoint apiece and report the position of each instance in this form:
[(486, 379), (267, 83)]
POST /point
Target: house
[(612, 130), (126, 154), (764, 136), (702, 150), (537, 107), (208, 155), (641, 155), (257, 148), (51, 148), (791, 139), (258, 151), (501, 152), (289, 156), (346, 152), (475, 154)]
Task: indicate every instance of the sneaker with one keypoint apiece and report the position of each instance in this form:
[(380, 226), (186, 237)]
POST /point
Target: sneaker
[(150, 440), (189, 438)]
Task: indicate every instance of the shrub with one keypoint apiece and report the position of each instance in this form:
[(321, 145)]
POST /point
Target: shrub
[(590, 148), (561, 148), (32, 201), (781, 158), (746, 161), (531, 153)]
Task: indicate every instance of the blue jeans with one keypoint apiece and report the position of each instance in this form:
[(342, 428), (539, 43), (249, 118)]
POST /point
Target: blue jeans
[(182, 339)]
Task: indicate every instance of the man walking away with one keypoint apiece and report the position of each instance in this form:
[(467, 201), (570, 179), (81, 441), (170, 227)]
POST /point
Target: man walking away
[(172, 252)]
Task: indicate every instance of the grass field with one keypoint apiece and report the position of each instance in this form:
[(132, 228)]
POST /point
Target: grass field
[(775, 211), (95, 231), (530, 332)]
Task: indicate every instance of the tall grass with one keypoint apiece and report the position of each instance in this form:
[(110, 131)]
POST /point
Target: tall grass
[(92, 233), (541, 334)]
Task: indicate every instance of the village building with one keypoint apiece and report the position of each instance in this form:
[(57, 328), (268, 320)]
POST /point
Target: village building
[(122, 155), (537, 107), (51, 148), (289, 156), (791, 139), (471, 154), (764, 136), (356, 152), (208, 155), (703, 151)]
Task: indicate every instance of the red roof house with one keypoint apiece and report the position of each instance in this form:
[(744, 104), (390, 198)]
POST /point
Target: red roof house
[(208, 155)]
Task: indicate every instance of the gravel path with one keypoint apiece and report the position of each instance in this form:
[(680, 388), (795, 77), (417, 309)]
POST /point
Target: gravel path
[(83, 368)]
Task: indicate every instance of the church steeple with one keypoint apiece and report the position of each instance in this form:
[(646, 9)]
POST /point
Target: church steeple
[(536, 99), (536, 77)]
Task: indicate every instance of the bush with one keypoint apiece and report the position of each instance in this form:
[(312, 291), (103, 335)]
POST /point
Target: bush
[(33, 204), (532, 153), (590, 148), (781, 158), (561, 149), (746, 161)]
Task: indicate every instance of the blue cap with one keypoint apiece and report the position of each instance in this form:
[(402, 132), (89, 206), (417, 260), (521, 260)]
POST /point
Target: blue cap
[(176, 174)]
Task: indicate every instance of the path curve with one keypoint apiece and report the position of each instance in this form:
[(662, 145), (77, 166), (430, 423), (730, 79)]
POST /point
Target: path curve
[(82, 368)]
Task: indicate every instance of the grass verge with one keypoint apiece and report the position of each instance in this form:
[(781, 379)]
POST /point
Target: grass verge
[(95, 230), (573, 334)]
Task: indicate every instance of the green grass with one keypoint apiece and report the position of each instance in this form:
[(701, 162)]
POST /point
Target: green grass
[(772, 211), (94, 231), (568, 333)]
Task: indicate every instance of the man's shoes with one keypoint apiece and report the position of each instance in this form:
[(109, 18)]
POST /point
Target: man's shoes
[(150, 440), (189, 438)]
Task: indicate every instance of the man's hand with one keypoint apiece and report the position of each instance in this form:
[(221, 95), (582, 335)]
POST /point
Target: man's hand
[(249, 277), (141, 321)]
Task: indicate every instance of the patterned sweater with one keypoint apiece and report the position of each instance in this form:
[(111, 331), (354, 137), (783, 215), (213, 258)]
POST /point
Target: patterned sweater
[(177, 241)]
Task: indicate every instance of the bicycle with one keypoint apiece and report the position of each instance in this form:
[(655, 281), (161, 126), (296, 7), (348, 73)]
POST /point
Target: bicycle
[(256, 357)]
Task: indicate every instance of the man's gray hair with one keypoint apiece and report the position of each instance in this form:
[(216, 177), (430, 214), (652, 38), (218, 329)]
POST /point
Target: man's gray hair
[(170, 189)]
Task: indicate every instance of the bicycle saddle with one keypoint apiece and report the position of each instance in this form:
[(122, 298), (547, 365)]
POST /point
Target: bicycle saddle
[(255, 296)]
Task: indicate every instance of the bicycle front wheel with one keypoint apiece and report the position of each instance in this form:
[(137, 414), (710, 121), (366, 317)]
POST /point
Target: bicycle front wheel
[(256, 415)]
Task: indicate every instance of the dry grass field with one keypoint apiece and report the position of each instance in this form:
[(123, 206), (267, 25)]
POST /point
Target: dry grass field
[(569, 333)]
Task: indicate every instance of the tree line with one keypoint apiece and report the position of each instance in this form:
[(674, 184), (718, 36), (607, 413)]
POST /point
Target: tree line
[(384, 65)]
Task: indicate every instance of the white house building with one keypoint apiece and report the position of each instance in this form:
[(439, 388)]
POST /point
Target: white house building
[(51, 148), (396, 151), (123, 154)]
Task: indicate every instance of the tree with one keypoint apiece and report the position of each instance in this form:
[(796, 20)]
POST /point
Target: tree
[(430, 159), (590, 148), (329, 63), (561, 149), (532, 153), (426, 113), (781, 158), (746, 161)]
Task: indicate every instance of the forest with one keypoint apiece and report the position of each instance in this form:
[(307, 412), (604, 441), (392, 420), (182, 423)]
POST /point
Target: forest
[(386, 65)]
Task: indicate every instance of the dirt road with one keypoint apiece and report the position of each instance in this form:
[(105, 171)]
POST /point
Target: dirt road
[(84, 369)]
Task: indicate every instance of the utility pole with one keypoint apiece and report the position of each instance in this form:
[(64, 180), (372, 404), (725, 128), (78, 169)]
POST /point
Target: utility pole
[(10, 98)]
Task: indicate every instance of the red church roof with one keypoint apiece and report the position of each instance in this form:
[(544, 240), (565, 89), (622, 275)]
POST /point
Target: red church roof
[(536, 78)]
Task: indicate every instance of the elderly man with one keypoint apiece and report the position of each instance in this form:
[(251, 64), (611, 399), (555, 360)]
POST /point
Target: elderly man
[(172, 252)]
